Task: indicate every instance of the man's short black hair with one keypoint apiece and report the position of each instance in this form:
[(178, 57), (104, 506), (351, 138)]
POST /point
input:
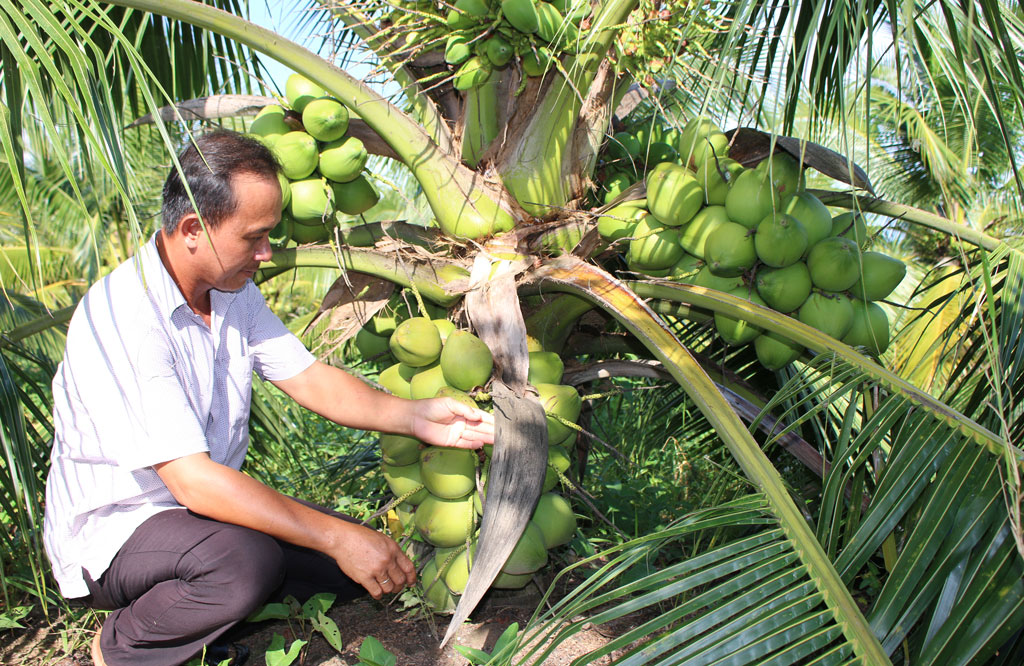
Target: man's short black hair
[(208, 164)]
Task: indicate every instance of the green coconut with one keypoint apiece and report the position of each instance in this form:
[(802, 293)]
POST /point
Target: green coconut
[(715, 176), (399, 450), (555, 518), (852, 225), (623, 147), (447, 472), (286, 190), (472, 74), (466, 13), (775, 351), (659, 152), (466, 361), (784, 289), (834, 264), (445, 523), (751, 198), (507, 581), (311, 200), (498, 51), (880, 275), (699, 138), (729, 250), (536, 63), (456, 394), (620, 221), (813, 215), (737, 331), (343, 160), (396, 378), (300, 91), (445, 327), (693, 236), (654, 245), (870, 327), (370, 345), (435, 592), (355, 196), (558, 463), (427, 382), (282, 231), (615, 184), (545, 368), (830, 313), (404, 479), (297, 153), (312, 231), (561, 400), (270, 121), (685, 270), (416, 342), (708, 148), (785, 172), (529, 555), (457, 49), (455, 565), (705, 278), (326, 119), (386, 320), (673, 195), (780, 240)]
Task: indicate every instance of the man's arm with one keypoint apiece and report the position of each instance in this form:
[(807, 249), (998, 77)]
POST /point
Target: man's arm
[(225, 494), (344, 399)]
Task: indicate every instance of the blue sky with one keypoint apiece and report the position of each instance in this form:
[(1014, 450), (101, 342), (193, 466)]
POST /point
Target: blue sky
[(279, 16)]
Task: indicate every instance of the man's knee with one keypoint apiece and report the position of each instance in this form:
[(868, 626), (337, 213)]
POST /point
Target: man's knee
[(242, 566)]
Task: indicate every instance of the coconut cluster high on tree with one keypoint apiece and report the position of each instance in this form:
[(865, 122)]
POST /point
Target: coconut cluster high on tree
[(322, 180), (753, 232)]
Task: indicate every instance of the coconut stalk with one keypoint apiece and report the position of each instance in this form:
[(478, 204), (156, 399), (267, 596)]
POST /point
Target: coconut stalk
[(533, 164), (439, 281)]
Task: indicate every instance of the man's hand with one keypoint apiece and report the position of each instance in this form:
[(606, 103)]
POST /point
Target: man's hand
[(448, 422), (340, 397), (222, 493), (373, 560)]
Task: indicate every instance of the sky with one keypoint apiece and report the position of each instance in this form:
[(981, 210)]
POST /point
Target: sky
[(279, 16), (290, 19)]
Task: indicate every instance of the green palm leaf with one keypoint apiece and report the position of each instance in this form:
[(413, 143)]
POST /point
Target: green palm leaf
[(572, 275)]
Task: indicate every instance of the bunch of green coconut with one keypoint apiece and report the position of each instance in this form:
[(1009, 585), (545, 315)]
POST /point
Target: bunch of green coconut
[(321, 175), (481, 36), (440, 492), (757, 234)]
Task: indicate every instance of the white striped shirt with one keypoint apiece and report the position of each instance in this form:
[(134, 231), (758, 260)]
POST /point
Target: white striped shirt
[(144, 380)]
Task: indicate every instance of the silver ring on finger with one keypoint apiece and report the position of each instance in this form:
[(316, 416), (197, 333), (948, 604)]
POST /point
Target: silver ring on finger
[(386, 580)]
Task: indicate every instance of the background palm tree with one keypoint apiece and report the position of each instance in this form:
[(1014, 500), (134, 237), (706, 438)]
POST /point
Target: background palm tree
[(920, 501)]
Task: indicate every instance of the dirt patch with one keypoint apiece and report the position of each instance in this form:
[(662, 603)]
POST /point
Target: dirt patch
[(413, 638)]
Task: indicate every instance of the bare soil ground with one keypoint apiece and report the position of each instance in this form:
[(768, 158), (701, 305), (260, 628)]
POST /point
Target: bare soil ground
[(412, 637)]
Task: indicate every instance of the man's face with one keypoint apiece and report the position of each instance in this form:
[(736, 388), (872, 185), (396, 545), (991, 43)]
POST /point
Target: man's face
[(241, 241)]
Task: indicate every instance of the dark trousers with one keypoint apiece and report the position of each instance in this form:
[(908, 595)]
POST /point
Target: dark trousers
[(182, 580)]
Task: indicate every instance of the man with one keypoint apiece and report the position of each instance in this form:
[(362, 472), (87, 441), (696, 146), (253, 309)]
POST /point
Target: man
[(147, 512)]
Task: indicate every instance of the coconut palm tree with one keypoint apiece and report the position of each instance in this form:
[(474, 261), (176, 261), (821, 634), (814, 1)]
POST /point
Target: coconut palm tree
[(920, 493)]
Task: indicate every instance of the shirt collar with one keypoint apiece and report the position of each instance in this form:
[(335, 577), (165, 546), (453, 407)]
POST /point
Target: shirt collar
[(164, 291), (157, 281)]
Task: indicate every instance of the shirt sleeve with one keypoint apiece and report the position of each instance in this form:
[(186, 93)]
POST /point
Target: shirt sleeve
[(277, 353)]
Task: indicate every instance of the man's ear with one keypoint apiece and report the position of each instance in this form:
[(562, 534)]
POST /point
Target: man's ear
[(191, 230)]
